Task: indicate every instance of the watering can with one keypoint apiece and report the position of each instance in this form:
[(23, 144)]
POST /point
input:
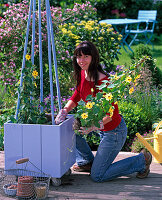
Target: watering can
[(157, 151)]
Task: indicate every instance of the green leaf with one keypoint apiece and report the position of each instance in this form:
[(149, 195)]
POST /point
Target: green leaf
[(89, 98)]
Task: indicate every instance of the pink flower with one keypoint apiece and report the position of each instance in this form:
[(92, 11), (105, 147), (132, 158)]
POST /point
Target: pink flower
[(122, 15), (7, 5), (116, 11)]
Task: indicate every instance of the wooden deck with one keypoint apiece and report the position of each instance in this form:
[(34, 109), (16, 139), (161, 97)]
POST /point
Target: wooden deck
[(80, 186)]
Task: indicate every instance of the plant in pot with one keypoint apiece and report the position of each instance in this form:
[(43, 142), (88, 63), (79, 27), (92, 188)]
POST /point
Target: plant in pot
[(30, 134), (120, 86)]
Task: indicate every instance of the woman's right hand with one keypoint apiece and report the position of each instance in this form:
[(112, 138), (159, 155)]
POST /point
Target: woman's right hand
[(61, 116)]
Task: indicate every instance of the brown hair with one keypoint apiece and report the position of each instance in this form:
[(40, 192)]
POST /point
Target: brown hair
[(87, 48)]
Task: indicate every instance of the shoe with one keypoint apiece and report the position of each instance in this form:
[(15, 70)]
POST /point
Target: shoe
[(83, 168), (148, 160)]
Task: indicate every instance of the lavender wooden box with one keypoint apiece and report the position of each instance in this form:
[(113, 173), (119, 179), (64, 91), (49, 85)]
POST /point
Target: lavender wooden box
[(51, 148)]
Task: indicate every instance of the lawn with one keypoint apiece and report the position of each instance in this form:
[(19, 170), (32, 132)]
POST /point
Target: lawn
[(124, 58)]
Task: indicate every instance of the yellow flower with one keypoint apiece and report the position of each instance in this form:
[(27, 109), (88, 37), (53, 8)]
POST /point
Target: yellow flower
[(97, 28), (92, 90), (100, 38), (72, 27), (84, 115), (108, 96), (119, 38), (131, 90), (116, 77), (27, 57), (111, 110), (64, 30), (138, 76), (128, 79), (35, 74), (77, 44), (91, 23), (35, 85), (109, 30), (89, 105), (103, 24), (83, 22), (88, 27)]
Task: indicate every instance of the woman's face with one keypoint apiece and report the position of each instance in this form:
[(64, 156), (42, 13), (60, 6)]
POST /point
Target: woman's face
[(84, 61)]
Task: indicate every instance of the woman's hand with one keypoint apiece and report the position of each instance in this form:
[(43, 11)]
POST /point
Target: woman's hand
[(85, 130), (61, 116)]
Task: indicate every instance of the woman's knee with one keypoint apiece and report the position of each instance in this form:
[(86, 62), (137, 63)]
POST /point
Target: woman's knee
[(95, 178)]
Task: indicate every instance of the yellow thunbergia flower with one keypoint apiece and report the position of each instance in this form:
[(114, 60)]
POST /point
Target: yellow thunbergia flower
[(131, 90), (108, 96), (138, 76), (35, 74), (111, 110), (84, 115), (116, 77), (35, 85), (128, 79), (89, 105), (27, 57), (77, 44)]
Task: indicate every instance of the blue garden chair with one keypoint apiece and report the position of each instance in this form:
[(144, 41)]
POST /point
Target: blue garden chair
[(145, 28)]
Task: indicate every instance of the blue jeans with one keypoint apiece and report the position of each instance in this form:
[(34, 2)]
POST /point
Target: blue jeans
[(103, 168)]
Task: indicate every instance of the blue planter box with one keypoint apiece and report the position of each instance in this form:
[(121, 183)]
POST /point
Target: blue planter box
[(51, 148)]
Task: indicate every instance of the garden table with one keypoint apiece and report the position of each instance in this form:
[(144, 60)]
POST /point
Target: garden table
[(124, 23)]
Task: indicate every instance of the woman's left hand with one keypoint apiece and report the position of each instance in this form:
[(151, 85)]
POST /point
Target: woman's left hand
[(85, 130)]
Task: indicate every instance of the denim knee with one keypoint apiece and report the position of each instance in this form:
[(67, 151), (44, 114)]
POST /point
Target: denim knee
[(95, 178)]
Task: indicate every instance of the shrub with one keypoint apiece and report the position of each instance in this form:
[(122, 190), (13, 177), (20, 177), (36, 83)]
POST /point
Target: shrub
[(12, 41), (136, 121), (71, 35), (143, 50)]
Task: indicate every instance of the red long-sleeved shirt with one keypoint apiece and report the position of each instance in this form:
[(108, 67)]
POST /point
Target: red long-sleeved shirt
[(84, 89)]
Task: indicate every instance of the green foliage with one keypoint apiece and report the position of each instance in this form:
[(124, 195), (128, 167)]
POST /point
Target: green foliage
[(137, 146), (143, 50), (29, 111), (5, 115), (71, 34), (158, 7), (119, 85), (136, 121), (93, 139)]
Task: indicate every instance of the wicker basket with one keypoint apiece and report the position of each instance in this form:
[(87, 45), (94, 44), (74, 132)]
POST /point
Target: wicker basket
[(24, 184)]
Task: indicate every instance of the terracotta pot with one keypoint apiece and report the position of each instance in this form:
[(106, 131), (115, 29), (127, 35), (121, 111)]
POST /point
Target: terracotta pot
[(25, 187)]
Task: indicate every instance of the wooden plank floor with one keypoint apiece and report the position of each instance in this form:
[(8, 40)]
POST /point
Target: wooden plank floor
[(80, 186)]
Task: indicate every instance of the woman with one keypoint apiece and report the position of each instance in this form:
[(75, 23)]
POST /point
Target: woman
[(113, 131)]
